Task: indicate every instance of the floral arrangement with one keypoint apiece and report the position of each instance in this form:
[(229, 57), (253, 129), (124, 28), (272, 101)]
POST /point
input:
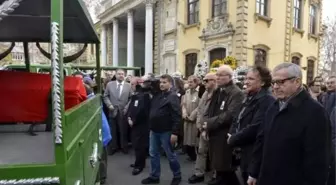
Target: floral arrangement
[(229, 60), (201, 69)]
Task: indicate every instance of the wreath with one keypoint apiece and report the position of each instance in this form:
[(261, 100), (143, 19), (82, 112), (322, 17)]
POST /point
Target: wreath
[(229, 60)]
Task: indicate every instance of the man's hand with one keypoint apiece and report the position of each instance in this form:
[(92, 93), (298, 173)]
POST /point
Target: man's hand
[(173, 139), (111, 107), (130, 122), (228, 140), (205, 125), (184, 116), (251, 181)]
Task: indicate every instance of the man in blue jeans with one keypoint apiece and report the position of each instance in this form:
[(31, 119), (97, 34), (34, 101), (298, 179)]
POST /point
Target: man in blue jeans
[(164, 119)]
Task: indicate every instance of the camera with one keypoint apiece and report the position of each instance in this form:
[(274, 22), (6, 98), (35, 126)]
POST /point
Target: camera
[(152, 85)]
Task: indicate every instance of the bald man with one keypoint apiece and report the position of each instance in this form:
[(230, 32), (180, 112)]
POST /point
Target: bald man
[(224, 105), (200, 166)]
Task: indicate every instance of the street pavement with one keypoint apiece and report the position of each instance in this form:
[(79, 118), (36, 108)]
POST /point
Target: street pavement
[(120, 172)]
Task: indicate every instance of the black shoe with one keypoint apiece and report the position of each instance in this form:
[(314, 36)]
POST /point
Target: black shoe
[(132, 165), (102, 181), (136, 171), (195, 179), (215, 181), (150, 180), (176, 181)]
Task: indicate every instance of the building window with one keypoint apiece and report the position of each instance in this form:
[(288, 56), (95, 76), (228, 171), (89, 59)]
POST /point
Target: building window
[(262, 7), (296, 60), (17, 56), (219, 7), (190, 63), (312, 19), (217, 54), (260, 57), (193, 11), (297, 14), (310, 70)]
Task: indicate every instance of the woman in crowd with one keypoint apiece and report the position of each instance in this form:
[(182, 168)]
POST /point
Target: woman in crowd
[(245, 127)]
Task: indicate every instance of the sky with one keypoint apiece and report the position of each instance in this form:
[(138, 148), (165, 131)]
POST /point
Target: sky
[(329, 9)]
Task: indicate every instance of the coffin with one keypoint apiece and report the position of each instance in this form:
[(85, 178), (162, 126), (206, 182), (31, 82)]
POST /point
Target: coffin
[(25, 97)]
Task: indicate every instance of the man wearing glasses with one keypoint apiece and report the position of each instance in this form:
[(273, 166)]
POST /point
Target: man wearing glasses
[(209, 82), (293, 144)]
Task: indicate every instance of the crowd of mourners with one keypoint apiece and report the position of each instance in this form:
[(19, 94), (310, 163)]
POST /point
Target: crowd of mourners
[(267, 129)]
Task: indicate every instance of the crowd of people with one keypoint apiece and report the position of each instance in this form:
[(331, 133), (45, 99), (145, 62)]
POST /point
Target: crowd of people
[(272, 130)]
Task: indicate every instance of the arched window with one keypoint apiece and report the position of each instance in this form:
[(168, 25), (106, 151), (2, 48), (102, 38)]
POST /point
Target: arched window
[(260, 57), (190, 63), (310, 70), (217, 54), (296, 60)]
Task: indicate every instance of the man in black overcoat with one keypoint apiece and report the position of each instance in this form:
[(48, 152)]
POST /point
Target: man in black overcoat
[(137, 117), (293, 144)]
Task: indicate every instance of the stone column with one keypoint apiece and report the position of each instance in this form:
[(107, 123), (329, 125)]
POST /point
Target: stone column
[(103, 46), (149, 37), (115, 44), (130, 41)]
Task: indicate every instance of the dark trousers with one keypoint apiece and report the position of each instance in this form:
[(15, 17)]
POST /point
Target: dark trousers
[(331, 177), (228, 177), (140, 157), (191, 152), (119, 130)]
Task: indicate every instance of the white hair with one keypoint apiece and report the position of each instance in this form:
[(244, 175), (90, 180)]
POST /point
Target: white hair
[(227, 69), (292, 69)]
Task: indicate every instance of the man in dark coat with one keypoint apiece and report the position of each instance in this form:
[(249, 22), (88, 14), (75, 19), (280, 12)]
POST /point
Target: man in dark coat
[(224, 105), (137, 116), (293, 145), (244, 129)]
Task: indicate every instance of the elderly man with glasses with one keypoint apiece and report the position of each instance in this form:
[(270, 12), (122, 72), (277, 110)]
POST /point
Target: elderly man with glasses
[(293, 143)]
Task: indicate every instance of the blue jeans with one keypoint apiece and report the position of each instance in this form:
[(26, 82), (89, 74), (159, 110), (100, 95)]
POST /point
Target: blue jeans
[(156, 140)]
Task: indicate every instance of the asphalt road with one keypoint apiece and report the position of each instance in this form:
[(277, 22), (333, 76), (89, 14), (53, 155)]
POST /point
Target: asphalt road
[(119, 172)]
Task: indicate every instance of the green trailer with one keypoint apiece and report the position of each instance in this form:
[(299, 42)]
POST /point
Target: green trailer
[(72, 157)]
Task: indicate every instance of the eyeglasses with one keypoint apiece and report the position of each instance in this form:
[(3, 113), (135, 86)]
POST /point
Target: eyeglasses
[(207, 80), (281, 82)]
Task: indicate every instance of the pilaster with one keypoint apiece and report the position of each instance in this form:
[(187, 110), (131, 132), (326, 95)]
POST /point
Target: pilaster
[(109, 44), (288, 31), (241, 32)]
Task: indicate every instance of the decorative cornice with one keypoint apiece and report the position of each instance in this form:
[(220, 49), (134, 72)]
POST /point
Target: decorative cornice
[(44, 180), (8, 7), (130, 13), (149, 2)]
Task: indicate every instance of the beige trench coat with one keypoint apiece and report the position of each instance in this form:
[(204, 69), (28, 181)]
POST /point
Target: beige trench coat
[(189, 108)]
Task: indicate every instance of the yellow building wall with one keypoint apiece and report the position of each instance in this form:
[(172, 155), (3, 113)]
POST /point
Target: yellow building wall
[(258, 33), (273, 35), (307, 47)]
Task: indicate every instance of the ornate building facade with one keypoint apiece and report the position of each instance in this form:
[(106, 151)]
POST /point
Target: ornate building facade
[(264, 32), (174, 35)]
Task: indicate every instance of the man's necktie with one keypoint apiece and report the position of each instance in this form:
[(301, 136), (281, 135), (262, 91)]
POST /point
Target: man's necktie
[(118, 89)]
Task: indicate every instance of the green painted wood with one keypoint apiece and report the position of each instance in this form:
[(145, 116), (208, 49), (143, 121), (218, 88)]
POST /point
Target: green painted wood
[(98, 78), (82, 127)]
